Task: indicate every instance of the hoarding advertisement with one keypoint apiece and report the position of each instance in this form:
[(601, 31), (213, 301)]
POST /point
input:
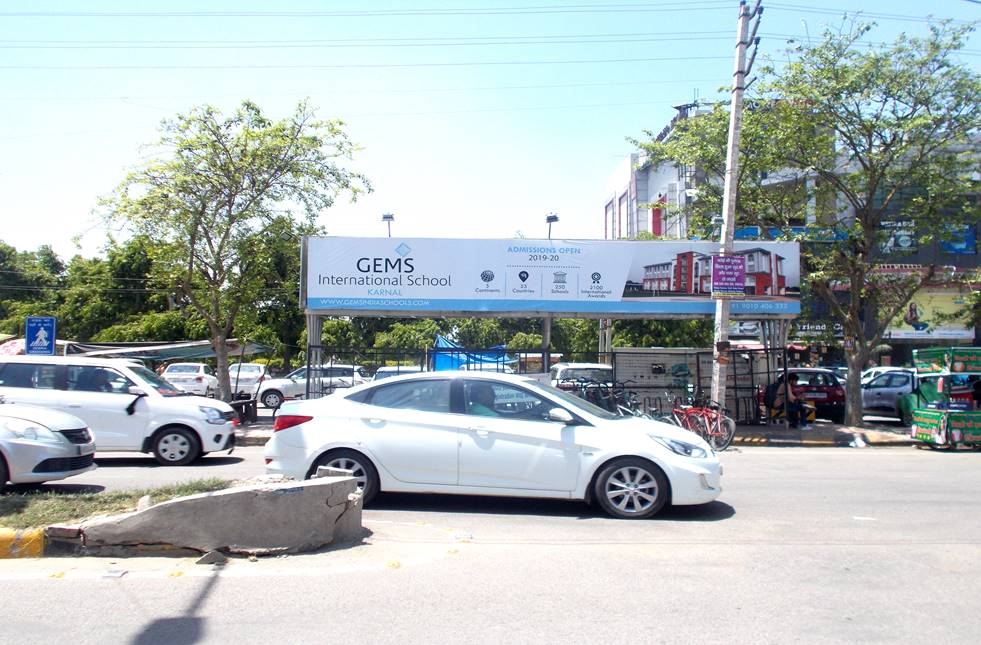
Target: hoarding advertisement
[(520, 276), (924, 317)]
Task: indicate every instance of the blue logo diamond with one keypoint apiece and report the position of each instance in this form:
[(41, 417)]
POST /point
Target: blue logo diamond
[(403, 249)]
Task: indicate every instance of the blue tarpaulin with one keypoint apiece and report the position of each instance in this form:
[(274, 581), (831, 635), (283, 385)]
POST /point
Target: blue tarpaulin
[(448, 355)]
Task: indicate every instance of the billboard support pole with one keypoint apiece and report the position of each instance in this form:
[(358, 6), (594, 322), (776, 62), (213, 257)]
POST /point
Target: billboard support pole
[(722, 306)]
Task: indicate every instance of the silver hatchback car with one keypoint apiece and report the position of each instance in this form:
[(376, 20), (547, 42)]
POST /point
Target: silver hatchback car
[(38, 445)]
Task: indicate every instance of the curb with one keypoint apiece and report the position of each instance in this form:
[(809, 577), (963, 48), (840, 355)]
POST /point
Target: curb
[(251, 440), (21, 543), (841, 440)]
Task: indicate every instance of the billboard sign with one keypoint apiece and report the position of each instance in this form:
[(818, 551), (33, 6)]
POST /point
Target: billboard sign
[(728, 276), (932, 314), (601, 278)]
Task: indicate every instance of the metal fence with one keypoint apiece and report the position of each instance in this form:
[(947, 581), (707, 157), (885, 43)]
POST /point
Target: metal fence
[(659, 376)]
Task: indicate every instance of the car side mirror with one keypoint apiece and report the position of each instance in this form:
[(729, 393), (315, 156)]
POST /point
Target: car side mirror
[(136, 391), (560, 415)]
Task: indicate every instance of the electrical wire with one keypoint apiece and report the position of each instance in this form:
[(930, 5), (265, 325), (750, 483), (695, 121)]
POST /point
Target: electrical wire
[(363, 65)]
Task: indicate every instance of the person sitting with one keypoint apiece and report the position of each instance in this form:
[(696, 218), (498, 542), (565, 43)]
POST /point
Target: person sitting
[(482, 400), (795, 407)]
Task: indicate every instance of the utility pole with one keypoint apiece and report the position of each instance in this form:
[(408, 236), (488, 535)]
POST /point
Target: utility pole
[(722, 305)]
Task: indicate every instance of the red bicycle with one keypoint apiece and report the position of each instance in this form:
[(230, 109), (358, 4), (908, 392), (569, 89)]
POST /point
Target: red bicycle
[(707, 421)]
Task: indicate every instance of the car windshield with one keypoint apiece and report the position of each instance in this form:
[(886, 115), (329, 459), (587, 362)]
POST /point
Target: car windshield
[(596, 374), (575, 402), (246, 370), (156, 382), (182, 369)]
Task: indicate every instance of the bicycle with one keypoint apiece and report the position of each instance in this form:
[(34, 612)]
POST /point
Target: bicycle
[(707, 420)]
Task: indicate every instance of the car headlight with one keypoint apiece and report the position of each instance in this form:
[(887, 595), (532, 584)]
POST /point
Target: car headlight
[(680, 447), (213, 415), (29, 431)]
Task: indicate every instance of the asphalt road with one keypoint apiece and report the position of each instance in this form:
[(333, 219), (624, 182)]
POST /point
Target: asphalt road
[(806, 545)]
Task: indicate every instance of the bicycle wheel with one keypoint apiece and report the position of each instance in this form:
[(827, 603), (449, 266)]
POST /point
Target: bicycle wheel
[(723, 432), (696, 423)]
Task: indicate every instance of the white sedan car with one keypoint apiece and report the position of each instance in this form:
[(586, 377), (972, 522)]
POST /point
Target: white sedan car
[(38, 445), (196, 378), (493, 434)]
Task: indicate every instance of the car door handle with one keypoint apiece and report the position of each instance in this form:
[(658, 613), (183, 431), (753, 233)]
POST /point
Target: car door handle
[(74, 405), (481, 432), (373, 421)]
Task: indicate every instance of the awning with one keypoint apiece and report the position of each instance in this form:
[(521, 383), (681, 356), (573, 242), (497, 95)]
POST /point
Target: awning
[(159, 352)]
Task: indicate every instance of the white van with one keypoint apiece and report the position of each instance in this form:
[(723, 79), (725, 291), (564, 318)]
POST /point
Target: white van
[(126, 406)]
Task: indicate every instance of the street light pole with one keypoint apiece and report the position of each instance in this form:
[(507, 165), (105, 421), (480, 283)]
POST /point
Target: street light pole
[(722, 305), (388, 218), (550, 219)]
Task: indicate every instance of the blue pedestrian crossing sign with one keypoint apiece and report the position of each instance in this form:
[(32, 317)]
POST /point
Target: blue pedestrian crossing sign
[(39, 335)]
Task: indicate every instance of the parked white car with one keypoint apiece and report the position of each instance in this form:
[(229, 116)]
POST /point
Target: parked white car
[(272, 392), (127, 407), (246, 378), (387, 371), (493, 434), (594, 372), (872, 372), (196, 378), (39, 445)]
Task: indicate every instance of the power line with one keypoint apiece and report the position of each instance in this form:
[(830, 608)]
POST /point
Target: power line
[(413, 90), (481, 11), (430, 41), (362, 65), (778, 6)]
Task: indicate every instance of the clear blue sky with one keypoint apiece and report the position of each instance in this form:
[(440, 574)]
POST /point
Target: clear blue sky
[(476, 118)]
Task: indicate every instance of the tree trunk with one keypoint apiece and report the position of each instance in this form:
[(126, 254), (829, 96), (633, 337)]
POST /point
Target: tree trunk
[(856, 359), (218, 340)]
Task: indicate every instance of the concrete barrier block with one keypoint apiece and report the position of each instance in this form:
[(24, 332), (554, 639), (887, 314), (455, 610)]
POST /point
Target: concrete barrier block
[(289, 517), (330, 471)]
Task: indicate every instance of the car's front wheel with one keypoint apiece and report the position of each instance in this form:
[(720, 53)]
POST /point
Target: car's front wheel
[(631, 488), (4, 475), (272, 399), (176, 447), (360, 466)]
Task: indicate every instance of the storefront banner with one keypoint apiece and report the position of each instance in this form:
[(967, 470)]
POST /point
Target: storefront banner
[(927, 424), (921, 317), (521, 276)]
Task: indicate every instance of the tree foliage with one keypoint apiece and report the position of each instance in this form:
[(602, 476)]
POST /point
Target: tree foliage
[(858, 137), (217, 202)]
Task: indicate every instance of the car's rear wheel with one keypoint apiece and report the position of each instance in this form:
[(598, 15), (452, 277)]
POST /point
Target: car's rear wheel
[(209, 392), (272, 399), (360, 466), (631, 488), (176, 447), (4, 474)]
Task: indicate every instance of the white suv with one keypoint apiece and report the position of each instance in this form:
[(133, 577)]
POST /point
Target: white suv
[(568, 372), (196, 378), (272, 392), (126, 406)]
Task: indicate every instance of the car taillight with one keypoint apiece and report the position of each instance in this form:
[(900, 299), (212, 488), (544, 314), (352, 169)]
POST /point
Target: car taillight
[(566, 386), (839, 391), (284, 421), (261, 379), (199, 379)]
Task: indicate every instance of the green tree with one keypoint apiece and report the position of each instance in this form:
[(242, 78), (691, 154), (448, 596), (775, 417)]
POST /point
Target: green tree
[(216, 195), (869, 135)]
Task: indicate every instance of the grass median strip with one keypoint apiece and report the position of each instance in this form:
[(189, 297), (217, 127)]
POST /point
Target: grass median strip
[(27, 508)]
